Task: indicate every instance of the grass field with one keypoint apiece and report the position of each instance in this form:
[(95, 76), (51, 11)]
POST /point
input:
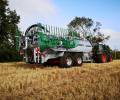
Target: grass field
[(20, 81)]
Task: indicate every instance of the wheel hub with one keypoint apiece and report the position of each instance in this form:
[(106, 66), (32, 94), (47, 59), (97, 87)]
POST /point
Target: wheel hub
[(79, 61), (69, 61)]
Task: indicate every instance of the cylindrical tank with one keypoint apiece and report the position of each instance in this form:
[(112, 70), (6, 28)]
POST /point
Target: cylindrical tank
[(41, 36)]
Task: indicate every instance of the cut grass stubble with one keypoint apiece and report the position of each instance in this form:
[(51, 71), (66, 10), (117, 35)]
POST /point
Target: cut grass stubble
[(89, 82)]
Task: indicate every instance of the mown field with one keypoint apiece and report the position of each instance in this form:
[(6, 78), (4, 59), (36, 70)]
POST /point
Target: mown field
[(20, 81)]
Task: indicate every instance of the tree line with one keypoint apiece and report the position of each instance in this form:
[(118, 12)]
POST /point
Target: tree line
[(8, 26)]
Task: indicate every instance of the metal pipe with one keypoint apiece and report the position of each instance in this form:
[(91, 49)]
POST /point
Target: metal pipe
[(35, 55), (26, 43)]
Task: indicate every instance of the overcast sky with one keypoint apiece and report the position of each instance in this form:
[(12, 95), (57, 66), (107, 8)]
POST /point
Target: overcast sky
[(61, 12)]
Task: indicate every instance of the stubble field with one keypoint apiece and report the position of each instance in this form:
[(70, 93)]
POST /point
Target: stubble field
[(21, 81)]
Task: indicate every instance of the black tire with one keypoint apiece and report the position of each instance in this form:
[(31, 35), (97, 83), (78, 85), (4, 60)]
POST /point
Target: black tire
[(95, 58), (100, 58), (110, 58), (78, 61), (66, 60)]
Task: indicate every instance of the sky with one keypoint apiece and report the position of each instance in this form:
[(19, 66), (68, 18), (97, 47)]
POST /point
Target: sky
[(61, 12)]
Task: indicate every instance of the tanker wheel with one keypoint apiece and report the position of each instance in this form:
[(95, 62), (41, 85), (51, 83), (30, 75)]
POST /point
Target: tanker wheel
[(66, 60), (103, 58), (78, 60)]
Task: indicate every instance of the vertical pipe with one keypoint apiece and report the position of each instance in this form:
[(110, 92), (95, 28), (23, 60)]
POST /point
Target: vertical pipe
[(54, 30), (51, 30), (26, 45), (38, 58), (58, 32), (65, 32), (61, 32), (38, 55), (35, 55), (42, 29), (47, 29), (26, 42)]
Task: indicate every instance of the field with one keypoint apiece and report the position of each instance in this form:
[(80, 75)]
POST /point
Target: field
[(20, 81)]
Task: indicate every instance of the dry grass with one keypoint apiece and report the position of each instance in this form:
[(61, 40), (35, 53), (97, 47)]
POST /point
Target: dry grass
[(20, 81)]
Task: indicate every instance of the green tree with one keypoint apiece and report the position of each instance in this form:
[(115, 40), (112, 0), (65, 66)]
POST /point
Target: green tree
[(8, 25), (88, 29)]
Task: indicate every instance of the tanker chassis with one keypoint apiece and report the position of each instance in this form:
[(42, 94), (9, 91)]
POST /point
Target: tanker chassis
[(43, 44)]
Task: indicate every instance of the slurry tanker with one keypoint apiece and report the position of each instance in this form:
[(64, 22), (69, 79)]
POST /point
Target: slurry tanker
[(44, 44)]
